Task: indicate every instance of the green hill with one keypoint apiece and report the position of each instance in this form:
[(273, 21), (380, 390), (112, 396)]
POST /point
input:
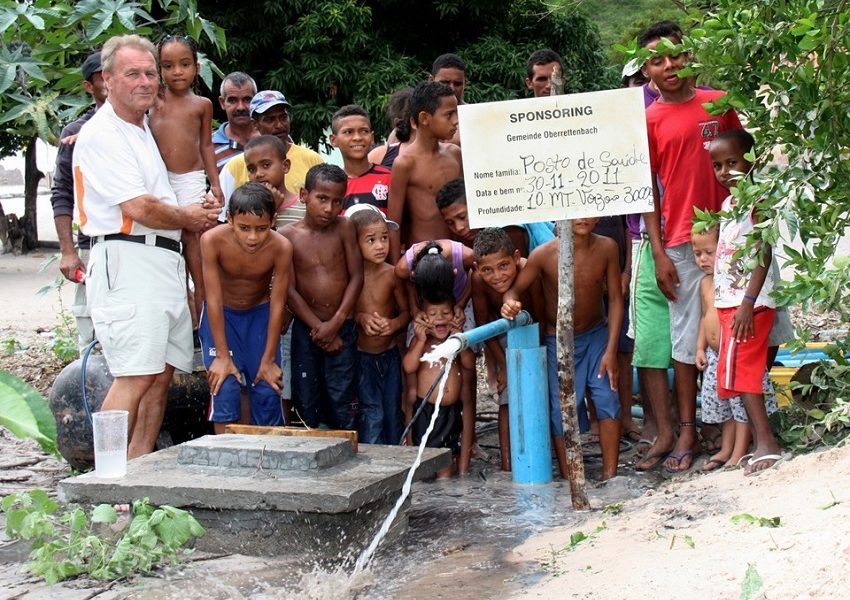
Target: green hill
[(619, 21)]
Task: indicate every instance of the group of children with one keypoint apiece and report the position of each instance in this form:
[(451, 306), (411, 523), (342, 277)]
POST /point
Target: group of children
[(373, 265)]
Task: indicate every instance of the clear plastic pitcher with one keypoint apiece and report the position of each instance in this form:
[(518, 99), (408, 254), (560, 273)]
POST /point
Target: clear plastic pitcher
[(110, 443)]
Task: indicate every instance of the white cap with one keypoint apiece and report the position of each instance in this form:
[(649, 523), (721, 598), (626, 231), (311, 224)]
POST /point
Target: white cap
[(631, 68), (391, 225)]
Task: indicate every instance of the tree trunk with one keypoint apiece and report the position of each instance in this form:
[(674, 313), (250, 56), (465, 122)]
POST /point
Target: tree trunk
[(566, 366), (5, 245), (29, 224), (565, 347)]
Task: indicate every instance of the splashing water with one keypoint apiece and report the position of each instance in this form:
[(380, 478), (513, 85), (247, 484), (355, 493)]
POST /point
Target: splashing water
[(448, 350)]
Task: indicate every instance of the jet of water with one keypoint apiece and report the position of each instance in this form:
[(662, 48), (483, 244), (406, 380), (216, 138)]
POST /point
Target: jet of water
[(449, 348), (366, 556)]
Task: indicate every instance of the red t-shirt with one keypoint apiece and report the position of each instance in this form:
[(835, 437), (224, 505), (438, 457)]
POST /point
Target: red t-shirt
[(372, 187), (679, 135)]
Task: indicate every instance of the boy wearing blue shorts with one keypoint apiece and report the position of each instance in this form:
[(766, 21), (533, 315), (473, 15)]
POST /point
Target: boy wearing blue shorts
[(246, 267), (596, 267)]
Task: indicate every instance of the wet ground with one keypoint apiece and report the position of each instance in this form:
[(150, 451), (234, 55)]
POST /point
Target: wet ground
[(460, 533)]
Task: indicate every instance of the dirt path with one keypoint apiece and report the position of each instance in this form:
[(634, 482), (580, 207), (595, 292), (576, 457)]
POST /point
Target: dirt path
[(682, 543)]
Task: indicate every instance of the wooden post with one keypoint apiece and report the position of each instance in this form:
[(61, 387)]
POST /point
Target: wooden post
[(566, 350)]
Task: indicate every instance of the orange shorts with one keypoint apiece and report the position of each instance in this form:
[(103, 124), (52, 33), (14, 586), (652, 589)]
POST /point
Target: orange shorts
[(741, 365)]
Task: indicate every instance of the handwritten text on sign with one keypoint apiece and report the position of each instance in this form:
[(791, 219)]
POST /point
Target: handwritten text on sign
[(559, 157)]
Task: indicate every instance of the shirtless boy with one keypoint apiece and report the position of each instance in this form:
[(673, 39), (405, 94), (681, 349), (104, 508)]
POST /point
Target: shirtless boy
[(424, 167), (497, 264), (597, 266), (368, 183), (241, 321), (455, 425), (382, 311), (329, 279)]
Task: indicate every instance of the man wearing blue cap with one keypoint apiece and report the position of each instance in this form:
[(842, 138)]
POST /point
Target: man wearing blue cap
[(73, 263), (270, 113)]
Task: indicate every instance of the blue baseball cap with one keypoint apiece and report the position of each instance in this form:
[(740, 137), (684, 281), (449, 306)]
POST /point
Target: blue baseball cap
[(262, 101)]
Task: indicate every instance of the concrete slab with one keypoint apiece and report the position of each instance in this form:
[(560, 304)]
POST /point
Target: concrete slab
[(250, 508), (241, 453)]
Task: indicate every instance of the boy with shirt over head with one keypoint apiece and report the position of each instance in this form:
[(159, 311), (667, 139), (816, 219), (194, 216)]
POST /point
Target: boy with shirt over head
[(497, 264), (351, 132), (382, 311), (454, 427), (328, 281), (679, 131), (241, 320), (597, 267), (424, 167), (745, 307)]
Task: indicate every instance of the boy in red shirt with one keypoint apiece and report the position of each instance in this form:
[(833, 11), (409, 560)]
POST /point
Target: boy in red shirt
[(680, 131)]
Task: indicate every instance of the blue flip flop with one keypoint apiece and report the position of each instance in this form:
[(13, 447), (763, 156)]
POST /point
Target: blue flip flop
[(679, 458)]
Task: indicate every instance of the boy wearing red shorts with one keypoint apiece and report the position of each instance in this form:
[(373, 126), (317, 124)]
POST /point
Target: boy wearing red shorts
[(744, 305)]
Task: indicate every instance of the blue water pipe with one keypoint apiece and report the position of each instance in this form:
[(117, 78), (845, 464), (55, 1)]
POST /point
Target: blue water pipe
[(482, 333), (528, 398)]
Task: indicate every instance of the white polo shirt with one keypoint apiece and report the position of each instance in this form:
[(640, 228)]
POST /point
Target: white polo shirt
[(115, 161)]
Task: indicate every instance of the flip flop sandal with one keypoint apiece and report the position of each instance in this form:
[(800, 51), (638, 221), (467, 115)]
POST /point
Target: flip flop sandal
[(679, 458), (777, 458), (712, 465), (657, 457), (632, 435)]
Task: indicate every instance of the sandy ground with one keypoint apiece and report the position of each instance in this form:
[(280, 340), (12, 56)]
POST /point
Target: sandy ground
[(677, 541), (680, 541)]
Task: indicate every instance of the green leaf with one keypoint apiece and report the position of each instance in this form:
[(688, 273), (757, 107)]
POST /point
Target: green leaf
[(104, 513), (752, 584), (25, 413), (816, 413)]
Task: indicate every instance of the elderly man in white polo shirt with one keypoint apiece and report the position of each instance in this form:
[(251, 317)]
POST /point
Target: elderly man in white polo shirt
[(136, 275)]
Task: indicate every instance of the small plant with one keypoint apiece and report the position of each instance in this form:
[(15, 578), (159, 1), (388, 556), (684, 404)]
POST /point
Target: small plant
[(65, 332), (550, 564), (760, 521), (10, 346), (615, 508), (70, 543), (752, 585), (829, 505), (65, 345)]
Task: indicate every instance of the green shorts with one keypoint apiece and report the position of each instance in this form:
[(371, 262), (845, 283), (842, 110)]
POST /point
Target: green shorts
[(649, 313)]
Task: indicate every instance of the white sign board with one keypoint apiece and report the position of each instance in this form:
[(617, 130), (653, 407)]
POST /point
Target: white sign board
[(557, 157)]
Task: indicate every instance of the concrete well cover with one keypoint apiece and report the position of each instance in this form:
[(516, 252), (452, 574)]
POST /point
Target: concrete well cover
[(251, 475)]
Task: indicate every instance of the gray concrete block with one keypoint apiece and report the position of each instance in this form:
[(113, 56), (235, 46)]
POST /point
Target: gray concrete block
[(246, 454)]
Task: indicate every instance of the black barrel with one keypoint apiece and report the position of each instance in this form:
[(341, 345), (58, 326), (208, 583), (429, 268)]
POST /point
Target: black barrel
[(185, 414)]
